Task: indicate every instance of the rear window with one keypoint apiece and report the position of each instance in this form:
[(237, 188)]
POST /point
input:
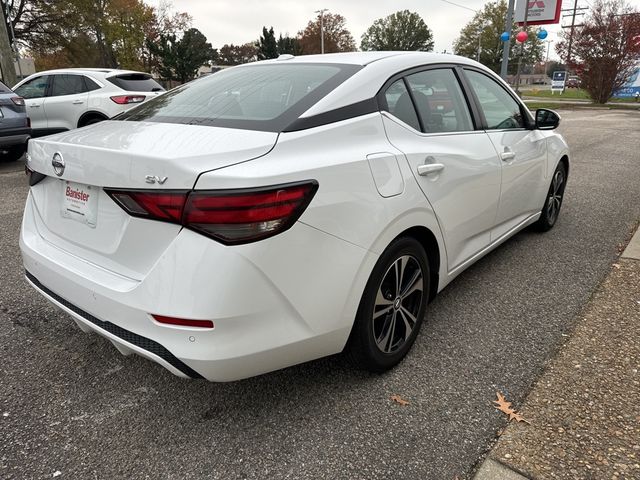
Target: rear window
[(266, 97), (136, 82)]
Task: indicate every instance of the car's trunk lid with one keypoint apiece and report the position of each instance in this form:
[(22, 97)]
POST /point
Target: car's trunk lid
[(74, 213)]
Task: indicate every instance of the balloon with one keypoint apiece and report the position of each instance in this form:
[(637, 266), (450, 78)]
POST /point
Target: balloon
[(522, 37), (505, 36), (542, 34)]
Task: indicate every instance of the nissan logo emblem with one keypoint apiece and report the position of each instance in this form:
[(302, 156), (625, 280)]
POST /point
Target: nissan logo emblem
[(58, 164)]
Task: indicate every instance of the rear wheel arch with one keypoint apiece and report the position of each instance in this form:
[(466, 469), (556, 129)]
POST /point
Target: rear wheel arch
[(90, 117), (565, 160), (430, 244)]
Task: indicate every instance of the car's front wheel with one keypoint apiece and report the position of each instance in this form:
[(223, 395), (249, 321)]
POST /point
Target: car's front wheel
[(392, 307), (553, 202)]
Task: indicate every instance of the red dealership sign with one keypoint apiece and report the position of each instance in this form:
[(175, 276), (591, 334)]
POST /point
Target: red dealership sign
[(541, 12)]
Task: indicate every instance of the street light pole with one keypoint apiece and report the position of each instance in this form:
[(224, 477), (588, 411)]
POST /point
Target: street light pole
[(482, 27), (546, 61), (321, 12)]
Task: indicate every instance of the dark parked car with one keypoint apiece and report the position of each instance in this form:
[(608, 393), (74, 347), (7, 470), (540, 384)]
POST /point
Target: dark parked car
[(574, 82), (15, 127)]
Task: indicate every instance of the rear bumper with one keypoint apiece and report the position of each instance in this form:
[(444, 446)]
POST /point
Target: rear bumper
[(268, 313), (127, 342), (15, 138)]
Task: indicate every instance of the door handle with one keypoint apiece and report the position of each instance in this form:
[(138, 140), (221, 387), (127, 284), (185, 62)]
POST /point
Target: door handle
[(34, 106), (507, 155), (78, 102), (430, 168)]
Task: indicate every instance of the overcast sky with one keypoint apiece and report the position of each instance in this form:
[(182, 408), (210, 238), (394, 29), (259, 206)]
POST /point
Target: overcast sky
[(241, 21)]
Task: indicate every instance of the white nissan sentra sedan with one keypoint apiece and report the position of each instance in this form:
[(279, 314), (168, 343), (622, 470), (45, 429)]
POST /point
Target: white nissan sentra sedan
[(282, 211)]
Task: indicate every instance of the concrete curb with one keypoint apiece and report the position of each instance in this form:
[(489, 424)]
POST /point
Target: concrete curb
[(492, 470), (633, 249)]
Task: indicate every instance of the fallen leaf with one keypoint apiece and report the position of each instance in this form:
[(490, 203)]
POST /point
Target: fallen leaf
[(505, 407), (399, 400)]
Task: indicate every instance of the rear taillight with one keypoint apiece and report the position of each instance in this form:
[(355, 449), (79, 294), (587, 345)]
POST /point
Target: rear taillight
[(18, 101), (125, 99), (230, 216), (161, 205)]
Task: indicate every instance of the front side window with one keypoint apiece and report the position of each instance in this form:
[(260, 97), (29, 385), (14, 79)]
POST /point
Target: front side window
[(400, 105), (34, 88), (67, 85), (258, 97), (500, 109), (440, 102)]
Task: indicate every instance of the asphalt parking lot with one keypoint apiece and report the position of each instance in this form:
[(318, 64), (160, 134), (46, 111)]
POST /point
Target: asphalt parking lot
[(72, 407)]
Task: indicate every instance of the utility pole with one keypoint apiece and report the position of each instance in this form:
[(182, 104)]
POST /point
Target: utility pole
[(573, 26), (14, 44), (6, 59), (321, 12), (506, 46), (524, 29)]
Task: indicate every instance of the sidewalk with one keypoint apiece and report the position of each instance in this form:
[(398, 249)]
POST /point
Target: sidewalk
[(585, 408)]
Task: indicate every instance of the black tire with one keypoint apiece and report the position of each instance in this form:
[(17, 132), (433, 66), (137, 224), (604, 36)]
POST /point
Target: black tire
[(368, 347), (553, 200), (13, 153)]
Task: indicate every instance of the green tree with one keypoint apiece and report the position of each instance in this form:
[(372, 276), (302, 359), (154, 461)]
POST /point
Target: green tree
[(165, 22), (231, 54), (180, 59), (606, 49), (289, 45), (483, 32), (337, 38), (554, 66), (89, 33), (403, 30), (267, 45)]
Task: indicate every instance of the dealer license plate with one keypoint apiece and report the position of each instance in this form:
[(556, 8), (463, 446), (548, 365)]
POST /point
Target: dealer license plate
[(80, 202)]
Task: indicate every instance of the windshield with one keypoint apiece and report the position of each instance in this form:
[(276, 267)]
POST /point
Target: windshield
[(265, 97)]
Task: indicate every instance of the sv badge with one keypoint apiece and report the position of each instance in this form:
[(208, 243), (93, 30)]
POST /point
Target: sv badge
[(155, 179)]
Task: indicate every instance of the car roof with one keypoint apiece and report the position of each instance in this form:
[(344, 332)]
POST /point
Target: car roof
[(377, 68), (366, 58), (100, 72)]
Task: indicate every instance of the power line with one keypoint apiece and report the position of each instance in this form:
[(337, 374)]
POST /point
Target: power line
[(458, 5)]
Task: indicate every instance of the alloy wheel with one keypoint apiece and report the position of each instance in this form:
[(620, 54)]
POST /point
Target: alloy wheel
[(555, 196), (397, 304)]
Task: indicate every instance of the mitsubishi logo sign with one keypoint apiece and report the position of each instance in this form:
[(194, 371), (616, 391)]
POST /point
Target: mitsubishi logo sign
[(541, 12)]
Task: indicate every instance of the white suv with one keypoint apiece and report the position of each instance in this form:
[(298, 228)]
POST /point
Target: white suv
[(59, 100)]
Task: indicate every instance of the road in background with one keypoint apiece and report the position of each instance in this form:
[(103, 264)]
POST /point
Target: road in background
[(71, 403)]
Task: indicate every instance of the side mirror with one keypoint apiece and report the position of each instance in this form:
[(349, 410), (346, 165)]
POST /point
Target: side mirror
[(547, 119)]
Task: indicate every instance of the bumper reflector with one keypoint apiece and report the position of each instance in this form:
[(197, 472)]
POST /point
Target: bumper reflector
[(183, 322)]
